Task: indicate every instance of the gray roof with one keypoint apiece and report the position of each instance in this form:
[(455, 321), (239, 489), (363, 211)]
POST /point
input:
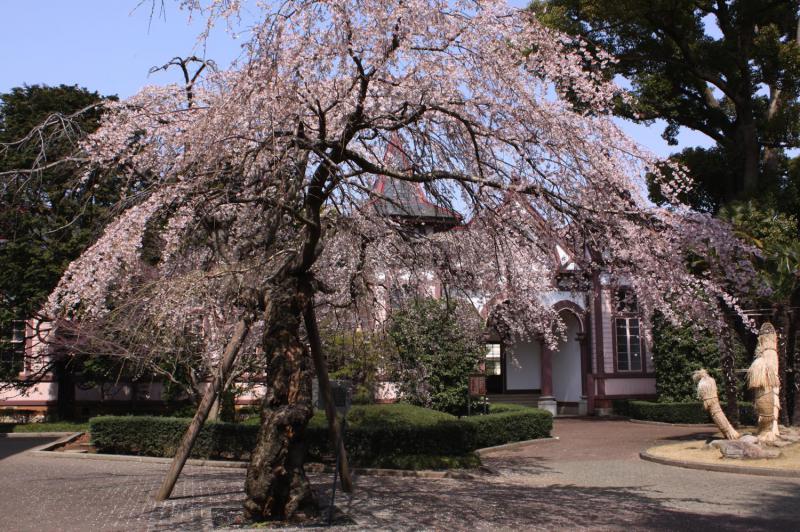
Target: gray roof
[(407, 199)]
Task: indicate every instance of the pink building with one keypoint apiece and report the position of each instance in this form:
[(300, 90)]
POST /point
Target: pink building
[(603, 356)]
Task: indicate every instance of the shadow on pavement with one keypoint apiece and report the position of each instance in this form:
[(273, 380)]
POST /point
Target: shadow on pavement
[(564, 507), (414, 504), (12, 446)]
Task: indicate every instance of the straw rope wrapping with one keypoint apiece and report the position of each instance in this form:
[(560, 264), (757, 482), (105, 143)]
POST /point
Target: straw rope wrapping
[(762, 377), (707, 392)]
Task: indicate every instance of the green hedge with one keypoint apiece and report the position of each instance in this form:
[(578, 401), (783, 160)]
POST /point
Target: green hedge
[(507, 427), (500, 408), (160, 436), (676, 412), (376, 433), (397, 435)]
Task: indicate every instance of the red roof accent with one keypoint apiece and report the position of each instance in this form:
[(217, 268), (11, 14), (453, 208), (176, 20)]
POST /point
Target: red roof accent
[(401, 191)]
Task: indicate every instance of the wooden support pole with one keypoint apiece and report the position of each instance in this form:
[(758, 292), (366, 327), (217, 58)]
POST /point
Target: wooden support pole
[(213, 390), (334, 427)]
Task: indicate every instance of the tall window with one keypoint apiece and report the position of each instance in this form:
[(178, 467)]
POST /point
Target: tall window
[(628, 335), (493, 359), (629, 345), (12, 348)]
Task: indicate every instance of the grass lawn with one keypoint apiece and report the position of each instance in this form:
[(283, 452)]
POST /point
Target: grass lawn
[(56, 426)]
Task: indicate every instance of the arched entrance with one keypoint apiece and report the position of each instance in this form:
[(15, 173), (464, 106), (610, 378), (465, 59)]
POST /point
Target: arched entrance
[(564, 369), (566, 361), (528, 372)]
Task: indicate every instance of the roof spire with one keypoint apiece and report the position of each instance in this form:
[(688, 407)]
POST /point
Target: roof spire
[(396, 156), (406, 199)]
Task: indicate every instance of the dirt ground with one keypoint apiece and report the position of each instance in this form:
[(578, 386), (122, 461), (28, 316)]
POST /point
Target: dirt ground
[(698, 451)]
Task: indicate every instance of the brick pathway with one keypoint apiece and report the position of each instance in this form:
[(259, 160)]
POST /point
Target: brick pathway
[(590, 479)]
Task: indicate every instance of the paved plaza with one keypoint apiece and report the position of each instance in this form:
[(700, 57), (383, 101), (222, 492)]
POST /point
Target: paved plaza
[(591, 478)]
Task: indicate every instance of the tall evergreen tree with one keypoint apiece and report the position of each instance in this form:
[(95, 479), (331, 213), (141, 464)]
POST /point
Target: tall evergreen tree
[(727, 68), (48, 216)]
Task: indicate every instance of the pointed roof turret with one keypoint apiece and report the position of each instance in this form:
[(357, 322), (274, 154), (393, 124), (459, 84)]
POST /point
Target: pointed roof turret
[(406, 199)]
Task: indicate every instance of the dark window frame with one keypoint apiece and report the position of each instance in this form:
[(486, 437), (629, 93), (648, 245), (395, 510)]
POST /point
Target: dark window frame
[(12, 347), (627, 311), (497, 363)]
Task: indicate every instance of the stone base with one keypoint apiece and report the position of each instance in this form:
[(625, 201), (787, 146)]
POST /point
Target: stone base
[(548, 403), (603, 411), (743, 450), (583, 406)]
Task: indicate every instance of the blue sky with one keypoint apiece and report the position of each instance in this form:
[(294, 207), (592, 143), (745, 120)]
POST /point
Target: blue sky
[(110, 45)]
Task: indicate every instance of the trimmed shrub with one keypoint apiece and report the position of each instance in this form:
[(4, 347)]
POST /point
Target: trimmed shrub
[(676, 412), (621, 407), (510, 425), (377, 433), (436, 349), (160, 436), (395, 436), (44, 426), (499, 408), (394, 414)]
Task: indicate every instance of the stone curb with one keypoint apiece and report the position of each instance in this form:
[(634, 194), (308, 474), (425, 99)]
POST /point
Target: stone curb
[(665, 424), (720, 468), (46, 450), (36, 434), (67, 438), (514, 445)]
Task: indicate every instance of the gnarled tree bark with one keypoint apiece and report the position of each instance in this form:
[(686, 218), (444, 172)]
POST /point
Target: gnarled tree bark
[(276, 485)]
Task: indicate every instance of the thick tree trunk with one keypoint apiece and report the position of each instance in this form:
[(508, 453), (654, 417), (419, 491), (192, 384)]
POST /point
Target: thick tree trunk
[(276, 485), (211, 393), (750, 153), (334, 427)]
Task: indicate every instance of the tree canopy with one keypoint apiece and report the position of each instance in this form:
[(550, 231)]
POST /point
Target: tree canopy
[(727, 68), (260, 199)]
